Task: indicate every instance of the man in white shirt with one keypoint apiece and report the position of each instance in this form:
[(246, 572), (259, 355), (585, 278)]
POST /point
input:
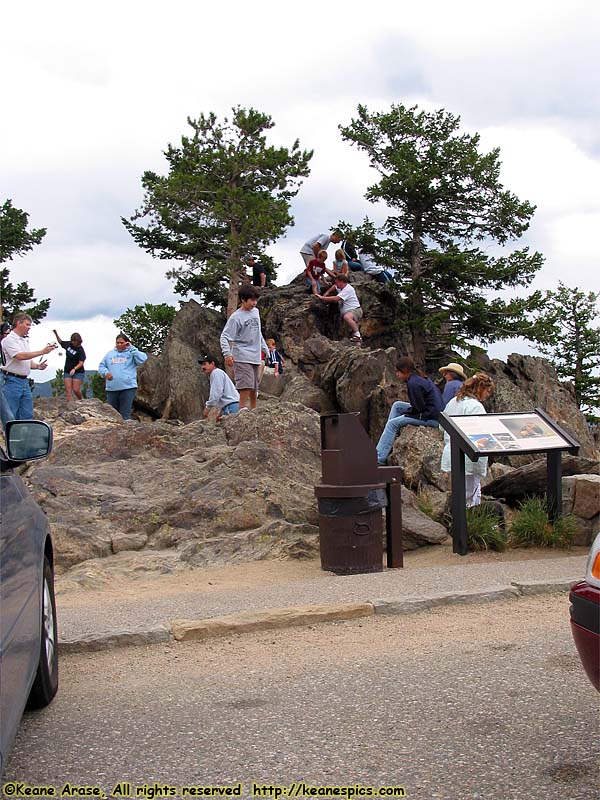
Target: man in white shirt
[(224, 398), (349, 304), (17, 365), (310, 249)]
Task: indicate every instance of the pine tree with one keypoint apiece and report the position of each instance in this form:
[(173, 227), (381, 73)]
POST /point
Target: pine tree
[(444, 196), (568, 332), (227, 194), (17, 240)]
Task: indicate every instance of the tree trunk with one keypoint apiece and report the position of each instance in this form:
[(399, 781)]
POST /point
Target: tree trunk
[(417, 309), (232, 293), (234, 271)]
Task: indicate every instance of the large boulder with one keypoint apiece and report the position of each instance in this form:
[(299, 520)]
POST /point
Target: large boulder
[(418, 450), (581, 497), (418, 529), (242, 488), (172, 385)]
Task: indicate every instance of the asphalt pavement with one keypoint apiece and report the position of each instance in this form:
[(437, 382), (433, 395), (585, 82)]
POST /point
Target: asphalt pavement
[(194, 614)]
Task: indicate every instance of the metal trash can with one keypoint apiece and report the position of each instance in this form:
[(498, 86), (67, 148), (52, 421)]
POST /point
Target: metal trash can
[(351, 533), (351, 498)]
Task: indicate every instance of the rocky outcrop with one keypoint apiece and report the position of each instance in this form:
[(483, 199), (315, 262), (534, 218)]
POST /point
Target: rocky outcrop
[(172, 385), (581, 497), (240, 489), (175, 489), (526, 382), (418, 529), (327, 373), (162, 495)]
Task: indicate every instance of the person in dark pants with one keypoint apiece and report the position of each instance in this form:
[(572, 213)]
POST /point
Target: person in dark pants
[(119, 367)]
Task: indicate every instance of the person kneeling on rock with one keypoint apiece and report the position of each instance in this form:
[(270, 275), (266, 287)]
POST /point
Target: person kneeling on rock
[(224, 398)]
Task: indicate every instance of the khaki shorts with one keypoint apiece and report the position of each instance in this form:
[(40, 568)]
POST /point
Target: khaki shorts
[(246, 376), (357, 314)]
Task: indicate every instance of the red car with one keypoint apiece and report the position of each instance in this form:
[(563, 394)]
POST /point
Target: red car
[(585, 615)]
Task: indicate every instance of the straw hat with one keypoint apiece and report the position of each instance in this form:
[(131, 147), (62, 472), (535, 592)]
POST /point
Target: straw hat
[(454, 368)]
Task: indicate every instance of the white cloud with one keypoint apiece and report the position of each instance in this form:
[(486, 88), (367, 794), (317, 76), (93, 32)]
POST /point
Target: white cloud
[(96, 92)]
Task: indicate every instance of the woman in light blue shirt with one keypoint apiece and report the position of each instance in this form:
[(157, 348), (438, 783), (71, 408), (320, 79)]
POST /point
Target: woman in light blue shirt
[(119, 367)]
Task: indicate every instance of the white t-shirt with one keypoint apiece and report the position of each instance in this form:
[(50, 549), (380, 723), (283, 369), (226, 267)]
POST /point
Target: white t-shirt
[(349, 299), (369, 266), (11, 345), (323, 239)]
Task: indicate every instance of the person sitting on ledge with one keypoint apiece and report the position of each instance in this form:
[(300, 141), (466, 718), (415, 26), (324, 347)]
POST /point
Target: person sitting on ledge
[(423, 409)]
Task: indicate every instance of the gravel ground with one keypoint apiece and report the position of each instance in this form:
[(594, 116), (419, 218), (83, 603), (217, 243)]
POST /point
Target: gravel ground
[(488, 701)]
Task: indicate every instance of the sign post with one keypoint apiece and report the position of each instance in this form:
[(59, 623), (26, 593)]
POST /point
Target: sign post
[(503, 435)]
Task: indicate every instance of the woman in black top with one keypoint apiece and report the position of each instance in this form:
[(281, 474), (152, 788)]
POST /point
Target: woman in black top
[(74, 372)]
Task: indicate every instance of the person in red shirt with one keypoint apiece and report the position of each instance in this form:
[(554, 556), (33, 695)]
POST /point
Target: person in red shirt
[(315, 272)]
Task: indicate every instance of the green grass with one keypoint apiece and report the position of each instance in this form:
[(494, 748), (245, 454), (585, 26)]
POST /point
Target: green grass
[(531, 526), (484, 530), (424, 503)]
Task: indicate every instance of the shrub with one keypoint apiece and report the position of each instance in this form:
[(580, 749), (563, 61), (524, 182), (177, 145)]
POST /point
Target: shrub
[(484, 529), (531, 526), (424, 503)]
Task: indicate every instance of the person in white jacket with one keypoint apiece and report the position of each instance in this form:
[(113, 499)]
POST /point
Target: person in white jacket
[(468, 401)]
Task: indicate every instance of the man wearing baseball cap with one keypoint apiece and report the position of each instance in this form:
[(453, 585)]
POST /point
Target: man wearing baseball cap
[(224, 398)]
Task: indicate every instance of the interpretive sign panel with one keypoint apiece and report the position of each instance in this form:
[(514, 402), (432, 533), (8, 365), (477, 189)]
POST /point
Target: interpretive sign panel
[(505, 435), (524, 432)]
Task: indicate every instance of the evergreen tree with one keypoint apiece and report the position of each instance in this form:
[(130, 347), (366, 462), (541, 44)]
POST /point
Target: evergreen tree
[(568, 332), (147, 325), (58, 384), (227, 194), (444, 196), (17, 240), (98, 386)]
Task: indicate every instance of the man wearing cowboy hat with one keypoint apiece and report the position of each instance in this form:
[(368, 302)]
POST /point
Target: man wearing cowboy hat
[(454, 375)]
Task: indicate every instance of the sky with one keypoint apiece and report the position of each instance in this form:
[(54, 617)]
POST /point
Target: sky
[(92, 94)]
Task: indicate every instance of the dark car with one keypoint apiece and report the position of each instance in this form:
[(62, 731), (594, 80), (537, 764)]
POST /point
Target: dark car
[(28, 634), (585, 615)]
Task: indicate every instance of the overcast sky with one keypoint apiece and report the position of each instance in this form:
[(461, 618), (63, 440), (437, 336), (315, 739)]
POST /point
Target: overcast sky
[(93, 93)]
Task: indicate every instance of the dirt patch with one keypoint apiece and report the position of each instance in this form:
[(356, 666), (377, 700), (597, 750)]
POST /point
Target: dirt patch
[(250, 575)]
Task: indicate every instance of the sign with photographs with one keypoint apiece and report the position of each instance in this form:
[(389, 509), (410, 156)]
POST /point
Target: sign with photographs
[(503, 435), (510, 434)]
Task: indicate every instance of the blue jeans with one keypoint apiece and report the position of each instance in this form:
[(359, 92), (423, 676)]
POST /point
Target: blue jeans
[(355, 266), (232, 408), (122, 401), (18, 397), (5, 413), (397, 421)]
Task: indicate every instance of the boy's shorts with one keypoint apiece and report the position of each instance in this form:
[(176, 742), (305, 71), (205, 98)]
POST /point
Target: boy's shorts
[(246, 376)]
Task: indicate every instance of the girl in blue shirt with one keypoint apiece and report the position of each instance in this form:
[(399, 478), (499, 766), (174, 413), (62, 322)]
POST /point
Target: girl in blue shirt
[(119, 367)]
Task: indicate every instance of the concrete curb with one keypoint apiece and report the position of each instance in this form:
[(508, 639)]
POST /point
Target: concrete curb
[(411, 605), (108, 641), (272, 619), (194, 630)]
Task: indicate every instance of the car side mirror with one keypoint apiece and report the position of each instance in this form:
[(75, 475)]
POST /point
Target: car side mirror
[(28, 440)]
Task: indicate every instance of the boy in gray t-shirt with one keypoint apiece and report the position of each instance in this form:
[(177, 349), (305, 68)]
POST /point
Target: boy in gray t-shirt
[(242, 342)]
